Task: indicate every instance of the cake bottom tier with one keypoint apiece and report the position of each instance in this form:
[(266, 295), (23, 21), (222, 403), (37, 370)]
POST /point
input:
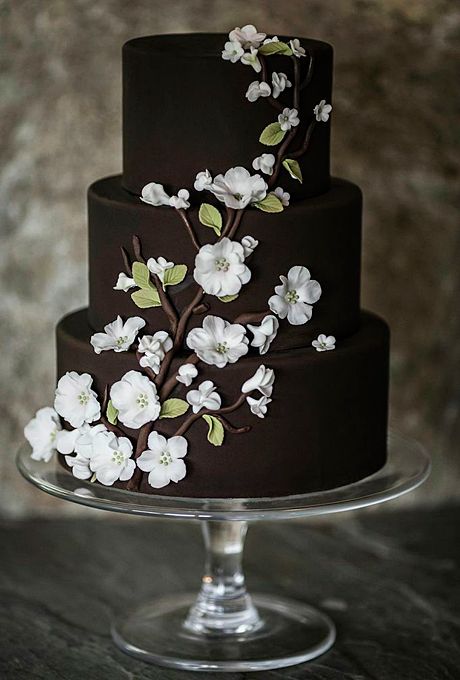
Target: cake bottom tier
[(326, 425)]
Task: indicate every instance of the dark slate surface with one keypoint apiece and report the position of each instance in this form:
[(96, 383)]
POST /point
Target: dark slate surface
[(390, 581)]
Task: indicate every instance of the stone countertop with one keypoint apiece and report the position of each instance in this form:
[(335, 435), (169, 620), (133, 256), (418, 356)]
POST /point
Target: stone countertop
[(389, 580)]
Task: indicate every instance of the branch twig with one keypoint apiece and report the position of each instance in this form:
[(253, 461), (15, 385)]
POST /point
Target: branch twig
[(189, 227), (195, 416)]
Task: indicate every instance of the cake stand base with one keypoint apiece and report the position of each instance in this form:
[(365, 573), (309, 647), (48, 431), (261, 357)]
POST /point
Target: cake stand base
[(224, 628), (289, 633)]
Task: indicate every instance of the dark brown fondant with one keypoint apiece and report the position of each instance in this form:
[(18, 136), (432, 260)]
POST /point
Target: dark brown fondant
[(184, 110), (326, 425), (321, 233)]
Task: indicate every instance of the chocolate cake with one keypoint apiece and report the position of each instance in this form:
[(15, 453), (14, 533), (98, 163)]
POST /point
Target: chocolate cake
[(223, 352)]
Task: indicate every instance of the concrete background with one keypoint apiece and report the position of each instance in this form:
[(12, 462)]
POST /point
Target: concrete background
[(395, 132)]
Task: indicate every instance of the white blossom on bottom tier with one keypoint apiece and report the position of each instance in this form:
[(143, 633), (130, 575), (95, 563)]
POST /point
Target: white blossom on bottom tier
[(117, 335), (41, 432), (218, 342), (258, 406), (265, 333), (136, 400), (154, 348), (324, 343), (75, 401), (111, 458), (186, 374), (220, 269), (163, 460), (262, 380), (204, 397), (294, 298)]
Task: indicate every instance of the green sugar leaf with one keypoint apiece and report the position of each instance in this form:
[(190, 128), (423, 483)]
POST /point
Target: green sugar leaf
[(293, 169), (275, 48), (272, 135), (216, 430), (146, 297), (228, 298), (141, 275), (209, 216), (173, 408), (174, 275), (112, 413), (270, 204)]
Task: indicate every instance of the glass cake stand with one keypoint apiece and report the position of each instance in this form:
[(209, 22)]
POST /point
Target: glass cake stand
[(223, 628)]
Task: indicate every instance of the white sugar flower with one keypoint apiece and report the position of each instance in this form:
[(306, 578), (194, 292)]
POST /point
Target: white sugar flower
[(158, 266), (220, 269), (75, 401), (154, 347), (218, 342), (186, 374), (252, 59), (136, 399), (232, 51), (124, 282), (41, 433), (117, 335), (81, 443), (258, 89), (163, 460), (237, 188), (259, 406), (322, 111), (181, 200), (271, 40), (111, 460), (297, 49), (279, 83), (265, 333), (203, 180), (204, 397), (324, 343), (293, 299), (264, 163), (283, 196), (154, 194), (288, 119), (262, 380), (247, 36), (249, 245)]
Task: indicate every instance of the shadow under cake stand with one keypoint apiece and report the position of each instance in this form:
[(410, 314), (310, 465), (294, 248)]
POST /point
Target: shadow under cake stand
[(224, 628)]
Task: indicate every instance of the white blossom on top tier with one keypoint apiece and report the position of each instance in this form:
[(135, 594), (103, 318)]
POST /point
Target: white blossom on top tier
[(220, 269), (118, 336), (186, 374), (264, 163), (218, 342), (124, 282), (249, 245), (238, 188), (203, 180), (41, 433), (163, 460), (111, 459), (154, 348), (248, 36), (204, 397), (322, 111), (181, 200), (265, 333), (324, 343), (288, 119), (297, 49), (232, 51), (251, 58), (258, 406), (294, 297), (258, 89), (75, 401), (262, 380), (154, 194), (284, 196), (158, 266), (136, 400), (279, 83)]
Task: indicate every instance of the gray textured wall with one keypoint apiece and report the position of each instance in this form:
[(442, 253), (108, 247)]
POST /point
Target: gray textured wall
[(396, 133)]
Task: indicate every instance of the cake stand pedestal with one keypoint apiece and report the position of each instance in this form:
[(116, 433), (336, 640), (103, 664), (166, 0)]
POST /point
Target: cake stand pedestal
[(224, 628)]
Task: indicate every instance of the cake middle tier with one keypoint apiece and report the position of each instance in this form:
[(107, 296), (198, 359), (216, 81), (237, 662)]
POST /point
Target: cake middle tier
[(321, 233)]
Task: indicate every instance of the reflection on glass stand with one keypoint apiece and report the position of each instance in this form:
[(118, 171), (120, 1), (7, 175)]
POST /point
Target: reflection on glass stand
[(224, 628)]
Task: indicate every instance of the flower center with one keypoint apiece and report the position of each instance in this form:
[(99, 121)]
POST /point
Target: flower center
[(238, 197), (222, 348), (222, 264), (292, 297), (118, 457), (285, 119), (121, 340), (166, 458), (142, 400), (83, 398)]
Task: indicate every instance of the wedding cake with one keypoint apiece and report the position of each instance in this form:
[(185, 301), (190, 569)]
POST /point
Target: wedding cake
[(223, 352)]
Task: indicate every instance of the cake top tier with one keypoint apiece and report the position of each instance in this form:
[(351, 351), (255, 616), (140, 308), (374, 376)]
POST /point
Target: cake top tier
[(187, 109)]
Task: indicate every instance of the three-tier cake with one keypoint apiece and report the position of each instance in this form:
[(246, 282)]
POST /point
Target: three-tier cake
[(223, 352)]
